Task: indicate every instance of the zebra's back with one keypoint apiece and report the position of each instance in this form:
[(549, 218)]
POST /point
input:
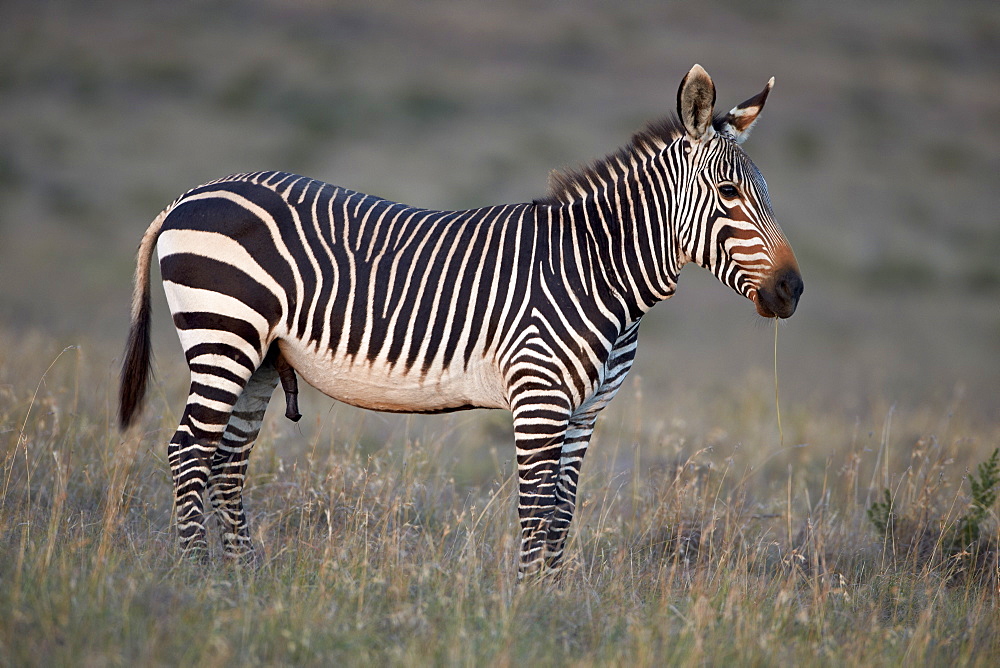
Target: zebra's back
[(370, 300)]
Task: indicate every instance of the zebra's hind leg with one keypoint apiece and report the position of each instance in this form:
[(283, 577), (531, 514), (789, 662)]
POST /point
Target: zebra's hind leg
[(574, 448), (229, 462), (219, 374), (189, 454)]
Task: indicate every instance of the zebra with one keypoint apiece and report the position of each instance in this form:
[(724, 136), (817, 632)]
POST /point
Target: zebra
[(532, 307)]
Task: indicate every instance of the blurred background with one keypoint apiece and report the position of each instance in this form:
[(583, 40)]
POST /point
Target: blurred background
[(880, 144)]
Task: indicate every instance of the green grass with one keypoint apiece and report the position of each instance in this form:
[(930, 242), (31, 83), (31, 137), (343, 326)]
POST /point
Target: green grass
[(686, 550)]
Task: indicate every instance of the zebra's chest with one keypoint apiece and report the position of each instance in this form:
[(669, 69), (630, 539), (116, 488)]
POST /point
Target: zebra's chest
[(383, 387)]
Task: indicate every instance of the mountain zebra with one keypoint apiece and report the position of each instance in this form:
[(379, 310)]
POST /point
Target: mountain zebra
[(532, 307)]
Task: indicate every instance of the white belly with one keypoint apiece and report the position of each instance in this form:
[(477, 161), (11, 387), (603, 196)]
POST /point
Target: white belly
[(379, 387)]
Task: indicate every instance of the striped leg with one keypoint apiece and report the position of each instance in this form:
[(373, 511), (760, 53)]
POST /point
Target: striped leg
[(229, 463), (539, 429), (217, 381), (189, 454), (571, 459), (581, 428)]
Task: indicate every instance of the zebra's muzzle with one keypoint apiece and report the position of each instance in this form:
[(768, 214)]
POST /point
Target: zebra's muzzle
[(778, 296)]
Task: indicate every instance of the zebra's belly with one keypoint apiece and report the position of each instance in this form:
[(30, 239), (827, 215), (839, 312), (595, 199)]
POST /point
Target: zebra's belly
[(383, 388)]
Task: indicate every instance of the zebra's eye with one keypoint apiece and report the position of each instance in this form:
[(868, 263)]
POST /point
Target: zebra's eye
[(728, 190)]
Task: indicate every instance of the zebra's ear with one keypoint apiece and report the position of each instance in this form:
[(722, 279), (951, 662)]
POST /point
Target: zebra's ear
[(696, 103), (740, 120)]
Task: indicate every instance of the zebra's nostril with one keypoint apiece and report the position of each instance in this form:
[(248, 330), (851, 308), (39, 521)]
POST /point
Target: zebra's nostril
[(789, 286), (784, 289)]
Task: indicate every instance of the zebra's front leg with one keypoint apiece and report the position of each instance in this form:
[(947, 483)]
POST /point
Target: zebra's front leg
[(578, 433), (574, 448), (229, 463), (538, 434)]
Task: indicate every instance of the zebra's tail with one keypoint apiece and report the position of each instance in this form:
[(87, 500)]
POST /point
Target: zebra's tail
[(135, 363)]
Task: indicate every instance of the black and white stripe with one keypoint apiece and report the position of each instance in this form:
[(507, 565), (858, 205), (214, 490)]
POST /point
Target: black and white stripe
[(529, 307)]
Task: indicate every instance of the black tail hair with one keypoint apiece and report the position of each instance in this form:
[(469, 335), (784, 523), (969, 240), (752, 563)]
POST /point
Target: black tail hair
[(135, 366), (135, 363)]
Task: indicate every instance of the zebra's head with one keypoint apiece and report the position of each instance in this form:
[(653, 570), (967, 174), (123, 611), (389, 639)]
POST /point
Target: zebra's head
[(728, 227)]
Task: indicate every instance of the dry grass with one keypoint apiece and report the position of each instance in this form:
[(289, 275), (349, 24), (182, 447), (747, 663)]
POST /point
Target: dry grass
[(700, 539), (686, 550)]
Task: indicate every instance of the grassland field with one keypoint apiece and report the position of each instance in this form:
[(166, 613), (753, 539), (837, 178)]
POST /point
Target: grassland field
[(705, 534)]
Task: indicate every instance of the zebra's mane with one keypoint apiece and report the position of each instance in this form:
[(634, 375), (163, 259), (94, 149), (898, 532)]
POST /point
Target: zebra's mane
[(565, 185)]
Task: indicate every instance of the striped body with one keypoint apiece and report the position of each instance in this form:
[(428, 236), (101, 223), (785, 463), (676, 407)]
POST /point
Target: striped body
[(528, 307), (374, 302)]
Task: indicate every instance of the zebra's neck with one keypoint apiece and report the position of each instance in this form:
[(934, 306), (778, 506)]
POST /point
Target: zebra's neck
[(621, 231)]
